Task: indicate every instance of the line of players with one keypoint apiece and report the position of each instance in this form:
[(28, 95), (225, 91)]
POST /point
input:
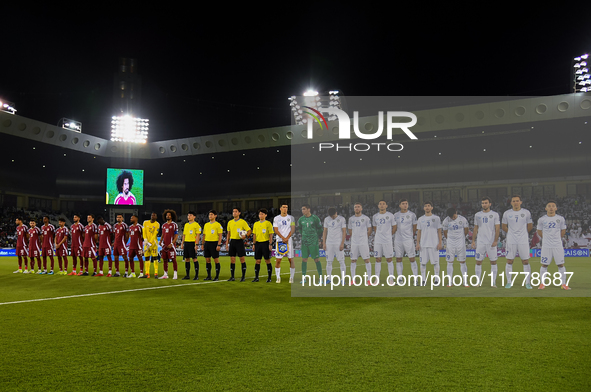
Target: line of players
[(516, 222)]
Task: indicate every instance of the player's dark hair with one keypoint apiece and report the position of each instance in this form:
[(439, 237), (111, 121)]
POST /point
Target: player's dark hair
[(451, 212), (172, 215), (264, 211), (552, 201), (383, 201), (62, 220), (99, 217), (428, 202), (213, 212), (124, 174), (486, 198), (19, 218), (45, 216), (136, 217), (518, 196), (357, 203), (236, 208), (307, 206), (401, 200), (332, 211), (78, 215), (93, 218), (192, 213), (119, 214)]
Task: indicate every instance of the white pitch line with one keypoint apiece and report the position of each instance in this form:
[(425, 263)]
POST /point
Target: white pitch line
[(116, 292)]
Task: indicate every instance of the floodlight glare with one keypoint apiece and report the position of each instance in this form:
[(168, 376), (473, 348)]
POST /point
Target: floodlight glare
[(129, 129), (310, 93)]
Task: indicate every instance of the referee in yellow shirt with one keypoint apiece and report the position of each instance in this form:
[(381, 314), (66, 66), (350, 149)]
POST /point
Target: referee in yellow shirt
[(261, 238), (190, 242), (212, 244), (150, 232), (235, 227)]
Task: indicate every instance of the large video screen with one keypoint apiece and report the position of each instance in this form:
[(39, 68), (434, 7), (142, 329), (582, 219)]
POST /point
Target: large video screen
[(125, 187)]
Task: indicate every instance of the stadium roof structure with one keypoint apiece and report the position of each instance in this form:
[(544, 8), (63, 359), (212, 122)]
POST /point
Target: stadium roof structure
[(505, 139)]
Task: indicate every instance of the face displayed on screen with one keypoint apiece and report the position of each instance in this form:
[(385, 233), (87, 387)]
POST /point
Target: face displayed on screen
[(125, 187)]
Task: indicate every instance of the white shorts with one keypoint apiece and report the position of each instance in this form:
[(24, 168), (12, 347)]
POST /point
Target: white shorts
[(429, 254), (452, 252), (289, 251), (521, 250), (359, 250), (384, 250), (485, 250), (332, 251), (407, 247), (552, 253)]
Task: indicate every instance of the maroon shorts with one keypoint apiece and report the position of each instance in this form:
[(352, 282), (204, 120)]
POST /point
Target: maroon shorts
[(135, 253), (168, 253), (104, 252), (47, 252), (77, 251), (62, 251), (21, 251), (119, 250), (34, 252), (88, 252)]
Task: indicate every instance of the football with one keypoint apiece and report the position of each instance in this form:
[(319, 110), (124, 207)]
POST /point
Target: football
[(242, 233)]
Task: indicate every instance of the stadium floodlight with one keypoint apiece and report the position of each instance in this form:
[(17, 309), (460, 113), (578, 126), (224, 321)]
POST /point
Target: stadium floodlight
[(72, 125), (7, 107), (581, 74), (313, 100), (129, 129), (310, 93)]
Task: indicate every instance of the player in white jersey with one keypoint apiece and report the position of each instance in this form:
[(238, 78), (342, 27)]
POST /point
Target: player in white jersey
[(551, 229), (429, 241), (359, 228), (284, 227), (455, 229), (406, 228), (333, 241), (485, 237), (517, 223), (384, 227)]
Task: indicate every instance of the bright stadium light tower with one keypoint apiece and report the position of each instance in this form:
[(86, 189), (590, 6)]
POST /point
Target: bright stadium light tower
[(129, 129), (312, 99), (582, 76)]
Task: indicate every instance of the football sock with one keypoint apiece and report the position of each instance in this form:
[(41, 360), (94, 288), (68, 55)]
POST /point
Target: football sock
[(436, 268), (110, 262), (329, 269), (527, 268), (508, 270), (175, 265), (543, 270), (390, 268), (562, 271), (368, 270), (353, 268), (156, 264), (20, 262), (304, 268), (232, 269), (399, 268), (217, 270), (464, 270), (478, 271), (257, 269), (165, 266), (450, 272), (423, 273), (132, 266), (243, 265), (147, 265), (196, 266), (494, 269), (414, 268), (277, 272), (378, 268), (291, 273), (319, 268), (188, 268), (208, 268)]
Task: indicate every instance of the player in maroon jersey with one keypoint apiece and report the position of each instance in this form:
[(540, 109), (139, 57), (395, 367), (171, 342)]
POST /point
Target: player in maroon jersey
[(34, 246), (121, 231), (61, 246), (21, 245), (170, 233), (77, 230), (90, 242), (105, 230), (48, 235), (136, 243)]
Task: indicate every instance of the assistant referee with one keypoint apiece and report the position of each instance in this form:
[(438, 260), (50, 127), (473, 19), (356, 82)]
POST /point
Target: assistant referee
[(191, 234)]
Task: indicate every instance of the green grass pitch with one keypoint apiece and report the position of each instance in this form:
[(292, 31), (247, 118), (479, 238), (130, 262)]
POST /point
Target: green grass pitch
[(255, 336)]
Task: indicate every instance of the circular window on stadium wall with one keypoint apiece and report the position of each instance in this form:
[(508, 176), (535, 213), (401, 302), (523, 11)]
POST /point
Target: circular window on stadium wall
[(86, 143)]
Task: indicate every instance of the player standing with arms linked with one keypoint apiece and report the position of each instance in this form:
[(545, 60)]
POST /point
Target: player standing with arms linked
[(284, 227), (136, 244), (21, 246), (455, 229), (333, 242), (485, 237), (517, 223), (90, 240), (551, 229), (61, 246), (311, 229), (429, 242), (406, 228), (48, 235), (121, 231), (34, 246), (360, 229), (77, 230), (170, 233), (384, 227)]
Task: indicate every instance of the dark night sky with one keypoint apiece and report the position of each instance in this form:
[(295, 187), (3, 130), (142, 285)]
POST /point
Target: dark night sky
[(207, 70)]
